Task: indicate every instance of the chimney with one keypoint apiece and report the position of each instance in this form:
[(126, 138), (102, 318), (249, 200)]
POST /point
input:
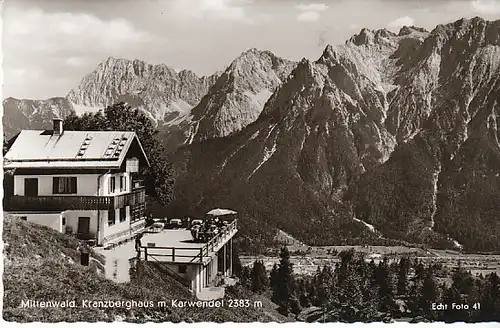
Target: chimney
[(58, 127)]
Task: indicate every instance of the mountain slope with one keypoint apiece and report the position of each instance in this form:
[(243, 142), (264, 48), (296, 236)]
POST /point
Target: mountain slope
[(239, 95), (157, 89), (317, 132), (370, 131), (33, 114)]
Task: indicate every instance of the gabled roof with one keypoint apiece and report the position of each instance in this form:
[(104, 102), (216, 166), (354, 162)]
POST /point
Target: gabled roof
[(72, 149)]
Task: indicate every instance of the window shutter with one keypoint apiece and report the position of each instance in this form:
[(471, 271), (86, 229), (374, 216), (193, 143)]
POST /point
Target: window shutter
[(73, 185), (55, 185)]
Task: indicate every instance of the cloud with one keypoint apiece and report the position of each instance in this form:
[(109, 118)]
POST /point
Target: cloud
[(312, 7), (75, 61), (55, 44), (230, 10), (308, 16), (400, 22), (486, 6), (310, 12), (38, 30)]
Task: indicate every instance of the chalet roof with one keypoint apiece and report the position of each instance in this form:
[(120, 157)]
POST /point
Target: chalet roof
[(72, 149)]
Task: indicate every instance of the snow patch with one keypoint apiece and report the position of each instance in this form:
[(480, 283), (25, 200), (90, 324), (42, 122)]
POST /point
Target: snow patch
[(254, 135), (369, 226), (435, 179), (193, 134), (268, 153), (230, 156)]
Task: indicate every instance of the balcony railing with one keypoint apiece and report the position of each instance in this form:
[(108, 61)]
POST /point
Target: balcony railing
[(62, 203)]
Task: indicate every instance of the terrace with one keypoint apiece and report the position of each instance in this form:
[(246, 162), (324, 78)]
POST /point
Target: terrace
[(166, 246), (177, 245)]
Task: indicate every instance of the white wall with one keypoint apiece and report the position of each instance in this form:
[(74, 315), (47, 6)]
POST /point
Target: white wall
[(72, 219), (105, 180), (86, 184), (51, 220), (118, 226)]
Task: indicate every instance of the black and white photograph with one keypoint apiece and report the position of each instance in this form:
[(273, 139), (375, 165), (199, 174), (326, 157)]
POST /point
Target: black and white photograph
[(251, 161)]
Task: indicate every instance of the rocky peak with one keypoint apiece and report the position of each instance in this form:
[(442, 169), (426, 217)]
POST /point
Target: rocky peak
[(156, 89), (239, 94), (407, 30), (364, 37)]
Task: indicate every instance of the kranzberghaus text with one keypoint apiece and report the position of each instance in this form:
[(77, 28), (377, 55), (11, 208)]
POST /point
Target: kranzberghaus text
[(87, 304)]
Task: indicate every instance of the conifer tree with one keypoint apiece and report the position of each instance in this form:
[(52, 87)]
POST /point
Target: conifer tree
[(259, 278), (403, 269), (284, 288), (490, 299), (385, 291), (429, 294)]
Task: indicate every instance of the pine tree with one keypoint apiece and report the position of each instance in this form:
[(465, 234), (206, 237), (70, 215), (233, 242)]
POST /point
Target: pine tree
[(259, 280), (490, 299), (284, 288), (303, 294), (273, 277), (452, 295), (385, 291), (429, 294), (403, 269), (246, 279), (462, 280)]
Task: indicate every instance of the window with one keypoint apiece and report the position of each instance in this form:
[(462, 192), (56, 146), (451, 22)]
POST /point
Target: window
[(112, 185), (111, 217), (64, 185), (24, 218), (182, 268), (63, 220), (123, 214), (122, 183)]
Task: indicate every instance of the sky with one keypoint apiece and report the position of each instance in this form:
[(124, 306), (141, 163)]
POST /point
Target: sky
[(48, 46)]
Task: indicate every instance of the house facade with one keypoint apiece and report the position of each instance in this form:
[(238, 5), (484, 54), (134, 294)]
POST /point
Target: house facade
[(78, 182)]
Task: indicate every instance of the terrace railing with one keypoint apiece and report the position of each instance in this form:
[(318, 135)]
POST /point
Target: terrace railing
[(196, 255)]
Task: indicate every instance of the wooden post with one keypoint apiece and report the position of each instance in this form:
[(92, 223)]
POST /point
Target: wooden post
[(224, 268), (173, 254), (201, 254), (231, 257), (145, 253)]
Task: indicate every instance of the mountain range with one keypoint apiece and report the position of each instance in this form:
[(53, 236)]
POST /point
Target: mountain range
[(396, 134), (389, 136)]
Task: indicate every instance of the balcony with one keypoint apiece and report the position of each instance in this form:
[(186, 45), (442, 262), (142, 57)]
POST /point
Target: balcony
[(62, 203)]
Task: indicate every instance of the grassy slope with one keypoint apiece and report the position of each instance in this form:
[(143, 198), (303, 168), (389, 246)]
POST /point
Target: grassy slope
[(42, 264)]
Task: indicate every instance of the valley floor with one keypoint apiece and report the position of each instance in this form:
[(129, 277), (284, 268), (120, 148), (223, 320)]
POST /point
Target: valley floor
[(306, 259)]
